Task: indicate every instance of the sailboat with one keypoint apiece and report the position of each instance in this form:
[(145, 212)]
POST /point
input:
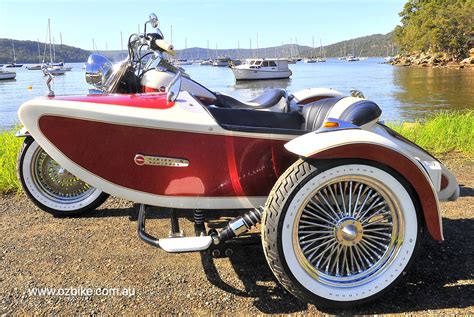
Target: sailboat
[(52, 68), (311, 59), (321, 58), (352, 58), (37, 66), (13, 63)]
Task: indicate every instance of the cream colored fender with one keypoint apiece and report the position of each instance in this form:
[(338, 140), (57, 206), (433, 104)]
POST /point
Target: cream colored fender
[(313, 94), (424, 174)]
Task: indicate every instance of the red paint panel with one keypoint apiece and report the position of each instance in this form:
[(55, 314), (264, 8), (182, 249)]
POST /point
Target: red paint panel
[(404, 167), (149, 100), (218, 165)]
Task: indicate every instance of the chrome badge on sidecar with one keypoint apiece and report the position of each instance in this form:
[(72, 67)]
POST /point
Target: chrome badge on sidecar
[(141, 159)]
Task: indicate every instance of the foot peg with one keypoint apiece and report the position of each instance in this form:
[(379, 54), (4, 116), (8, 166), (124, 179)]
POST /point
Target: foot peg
[(177, 244), (173, 245)]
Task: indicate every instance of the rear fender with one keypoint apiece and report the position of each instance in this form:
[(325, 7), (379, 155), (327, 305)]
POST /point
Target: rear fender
[(361, 144)]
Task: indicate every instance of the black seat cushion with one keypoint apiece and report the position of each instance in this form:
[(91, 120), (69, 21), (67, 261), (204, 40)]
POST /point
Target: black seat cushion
[(315, 113), (266, 100), (258, 121), (358, 113)]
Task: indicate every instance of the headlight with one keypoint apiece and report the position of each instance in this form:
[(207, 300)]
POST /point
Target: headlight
[(98, 69)]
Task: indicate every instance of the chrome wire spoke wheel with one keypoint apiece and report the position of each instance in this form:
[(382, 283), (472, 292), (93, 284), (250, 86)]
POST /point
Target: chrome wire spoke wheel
[(51, 187), (339, 233), (56, 182), (348, 230)]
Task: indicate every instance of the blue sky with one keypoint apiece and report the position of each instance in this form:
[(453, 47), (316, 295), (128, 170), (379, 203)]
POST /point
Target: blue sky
[(224, 22)]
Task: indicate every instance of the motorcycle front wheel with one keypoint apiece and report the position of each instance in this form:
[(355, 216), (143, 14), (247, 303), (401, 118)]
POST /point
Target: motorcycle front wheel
[(51, 187), (341, 233)]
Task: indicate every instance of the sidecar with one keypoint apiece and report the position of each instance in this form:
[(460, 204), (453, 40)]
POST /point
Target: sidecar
[(341, 197)]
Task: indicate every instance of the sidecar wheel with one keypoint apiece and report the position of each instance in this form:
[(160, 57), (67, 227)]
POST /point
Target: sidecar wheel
[(338, 234), (52, 188)]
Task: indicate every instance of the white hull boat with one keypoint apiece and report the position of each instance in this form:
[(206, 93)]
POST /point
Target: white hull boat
[(5, 75), (257, 69)]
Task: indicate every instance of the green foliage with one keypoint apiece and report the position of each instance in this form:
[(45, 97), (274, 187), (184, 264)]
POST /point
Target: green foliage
[(27, 52), (436, 26), (442, 133), (9, 149)]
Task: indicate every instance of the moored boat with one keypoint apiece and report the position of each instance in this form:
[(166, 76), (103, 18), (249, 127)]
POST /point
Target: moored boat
[(256, 69), (221, 62), (5, 75)]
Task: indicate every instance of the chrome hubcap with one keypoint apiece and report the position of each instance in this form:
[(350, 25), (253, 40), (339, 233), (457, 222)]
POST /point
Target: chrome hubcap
[(55, 182), (348, 231)]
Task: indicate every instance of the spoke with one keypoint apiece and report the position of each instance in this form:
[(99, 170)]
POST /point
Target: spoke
[(349, 205), (367, 195), (316, 225), (374, 205), (371, 246), (330, 247), (360, 185), (319, 246), (342, 198), (312, 203), (310, 222), (327, 203), (335, 200)]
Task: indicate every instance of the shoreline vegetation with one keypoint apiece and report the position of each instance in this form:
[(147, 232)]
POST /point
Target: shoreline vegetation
[(444, 133), (436, 34)]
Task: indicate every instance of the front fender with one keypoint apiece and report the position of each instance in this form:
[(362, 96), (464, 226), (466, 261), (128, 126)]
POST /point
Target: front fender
[(361, 144)]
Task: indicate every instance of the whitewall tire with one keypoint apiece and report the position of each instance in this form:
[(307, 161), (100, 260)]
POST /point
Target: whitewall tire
[(52, 188), (339, 233)]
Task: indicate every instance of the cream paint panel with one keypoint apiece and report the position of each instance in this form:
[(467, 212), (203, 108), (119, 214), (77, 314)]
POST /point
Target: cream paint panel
[(314, 92)]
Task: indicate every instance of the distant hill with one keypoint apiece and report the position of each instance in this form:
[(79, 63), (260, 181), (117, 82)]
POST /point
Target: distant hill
[(27, 52), (371, 45)]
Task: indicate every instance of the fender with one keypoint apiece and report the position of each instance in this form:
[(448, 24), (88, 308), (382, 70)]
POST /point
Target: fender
[(361, 144)]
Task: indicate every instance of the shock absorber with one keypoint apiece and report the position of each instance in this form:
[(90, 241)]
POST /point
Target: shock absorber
[(241, 224)]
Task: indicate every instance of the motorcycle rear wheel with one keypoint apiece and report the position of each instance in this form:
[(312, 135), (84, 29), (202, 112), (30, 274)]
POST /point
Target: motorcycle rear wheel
[(341, 233), (51, 187)]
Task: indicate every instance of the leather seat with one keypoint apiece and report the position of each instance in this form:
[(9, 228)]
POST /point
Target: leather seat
[(358, 113), (267, 100)]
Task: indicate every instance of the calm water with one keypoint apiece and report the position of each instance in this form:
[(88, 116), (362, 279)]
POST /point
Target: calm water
[(402, 93)]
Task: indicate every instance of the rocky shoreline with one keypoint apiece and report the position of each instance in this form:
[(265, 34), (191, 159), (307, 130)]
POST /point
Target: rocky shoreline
[(423, 59)]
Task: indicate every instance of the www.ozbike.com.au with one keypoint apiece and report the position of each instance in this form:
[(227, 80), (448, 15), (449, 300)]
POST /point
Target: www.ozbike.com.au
[(82, 291)]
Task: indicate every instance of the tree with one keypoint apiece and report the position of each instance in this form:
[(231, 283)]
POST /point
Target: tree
[(436, 26)]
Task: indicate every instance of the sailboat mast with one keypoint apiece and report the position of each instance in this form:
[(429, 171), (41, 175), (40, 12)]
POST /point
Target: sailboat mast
[(50, 45), (39, 52), (14, 57)]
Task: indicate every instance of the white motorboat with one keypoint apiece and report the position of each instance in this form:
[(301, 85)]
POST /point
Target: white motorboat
[(56, 70), (352, 58), (310, 60), (206, 63), (34, 67), (221, 62), (182, 62), (260, 68), (5, 75)]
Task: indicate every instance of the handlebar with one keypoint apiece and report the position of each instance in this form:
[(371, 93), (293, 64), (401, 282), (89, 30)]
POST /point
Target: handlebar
[(165, 47)]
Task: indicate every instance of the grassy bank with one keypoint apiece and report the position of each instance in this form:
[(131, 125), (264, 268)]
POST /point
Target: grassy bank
[(444, 132), (9, 148)]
